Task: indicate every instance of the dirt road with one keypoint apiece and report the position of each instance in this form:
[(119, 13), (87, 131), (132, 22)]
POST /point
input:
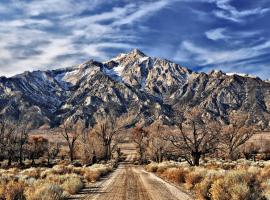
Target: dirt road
[(132, 182)]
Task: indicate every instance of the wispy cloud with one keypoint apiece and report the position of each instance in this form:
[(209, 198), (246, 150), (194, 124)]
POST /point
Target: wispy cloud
[(230, 36), (227, 59), (216, 34), (49, 34), (205, 56), (229, 12), (60, 28)]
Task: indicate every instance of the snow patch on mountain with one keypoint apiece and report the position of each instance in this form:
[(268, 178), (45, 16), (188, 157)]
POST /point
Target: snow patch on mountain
[(241, 74), (115, 73)]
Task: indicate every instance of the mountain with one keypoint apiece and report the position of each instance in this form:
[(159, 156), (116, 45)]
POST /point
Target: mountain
[(149, 88)]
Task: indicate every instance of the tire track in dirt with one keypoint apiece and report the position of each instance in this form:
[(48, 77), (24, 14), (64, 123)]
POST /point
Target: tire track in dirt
[(132, 182)]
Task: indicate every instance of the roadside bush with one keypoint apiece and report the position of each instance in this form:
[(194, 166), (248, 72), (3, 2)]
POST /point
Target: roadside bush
[(12, 191), (72, 185), (92, 175), (192, 179), (152, 167), (233, 186), (31, 172), (176, 175), (202, 189), (47, 192)]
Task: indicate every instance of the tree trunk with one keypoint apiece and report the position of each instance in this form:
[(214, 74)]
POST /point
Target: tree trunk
[(33, 161), (160, 157), (231, 154), (94, 159), (141, 155), (71, 155), (48, 161), (107, 152), (9, 160), (196, 158), (21, 156)]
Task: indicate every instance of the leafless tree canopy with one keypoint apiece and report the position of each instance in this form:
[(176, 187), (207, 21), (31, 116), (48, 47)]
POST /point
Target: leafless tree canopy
[(236, 134), (71, 134), (194, 137), (158, 148), (107, 129), (140, 137)]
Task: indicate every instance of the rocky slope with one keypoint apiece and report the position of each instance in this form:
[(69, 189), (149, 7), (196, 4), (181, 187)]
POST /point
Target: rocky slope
[(149, 88)]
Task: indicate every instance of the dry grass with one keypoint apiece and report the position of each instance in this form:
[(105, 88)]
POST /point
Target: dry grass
[(192, 179), (93, 173), (72, 185), (238, 180), (235, 186), (12, 191), (174, 174), (48, 183), (46, 192)]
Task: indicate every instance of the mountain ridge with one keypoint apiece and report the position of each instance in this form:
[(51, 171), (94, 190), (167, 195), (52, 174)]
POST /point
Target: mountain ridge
[(150, 88)]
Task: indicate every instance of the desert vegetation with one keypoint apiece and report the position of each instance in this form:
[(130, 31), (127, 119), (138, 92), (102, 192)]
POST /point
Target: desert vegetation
[(217, 179), (37, 167), (210, 159), (58, 182)]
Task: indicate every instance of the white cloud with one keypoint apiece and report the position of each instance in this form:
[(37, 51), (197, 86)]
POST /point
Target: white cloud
[(88, 35), (229, 12), (238, 60), (143, 11), (203, 56), (230, 36), (216, 34)]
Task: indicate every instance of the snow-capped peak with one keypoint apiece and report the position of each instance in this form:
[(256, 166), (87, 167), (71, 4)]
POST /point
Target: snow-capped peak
[(137, 52), (241, 74)]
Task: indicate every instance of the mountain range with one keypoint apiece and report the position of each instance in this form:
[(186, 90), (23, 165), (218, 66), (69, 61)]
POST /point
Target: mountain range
[(149, 88)]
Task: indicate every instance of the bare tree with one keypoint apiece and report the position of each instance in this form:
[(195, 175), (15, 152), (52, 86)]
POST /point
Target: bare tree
[(140, 137), (195, 137), (236, 134), (53, 149), (22, 132), (37, 147), (8, 139), (157, 146), (250, 150), (85, 146), (107, 130), (71, 134)]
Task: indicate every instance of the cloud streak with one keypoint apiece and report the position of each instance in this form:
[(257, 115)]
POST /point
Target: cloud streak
[(229, 12), (50, 34)]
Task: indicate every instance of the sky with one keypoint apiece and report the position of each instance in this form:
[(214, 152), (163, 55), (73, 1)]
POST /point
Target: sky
[(228, 35)]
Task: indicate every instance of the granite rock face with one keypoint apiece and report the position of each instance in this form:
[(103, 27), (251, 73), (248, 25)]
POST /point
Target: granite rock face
[(148, 88)]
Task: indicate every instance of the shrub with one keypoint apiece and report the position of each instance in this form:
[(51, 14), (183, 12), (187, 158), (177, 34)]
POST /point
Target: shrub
[(72, 185), (266, 187), (46, 192), (62, 169), (152, 167), (31, 172), (13, 191), (92, 175), (234, 186), (202, 189), (175, 174), (192, 179)]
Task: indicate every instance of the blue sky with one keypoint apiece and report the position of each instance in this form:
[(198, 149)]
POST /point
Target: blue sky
[(230, 35)]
